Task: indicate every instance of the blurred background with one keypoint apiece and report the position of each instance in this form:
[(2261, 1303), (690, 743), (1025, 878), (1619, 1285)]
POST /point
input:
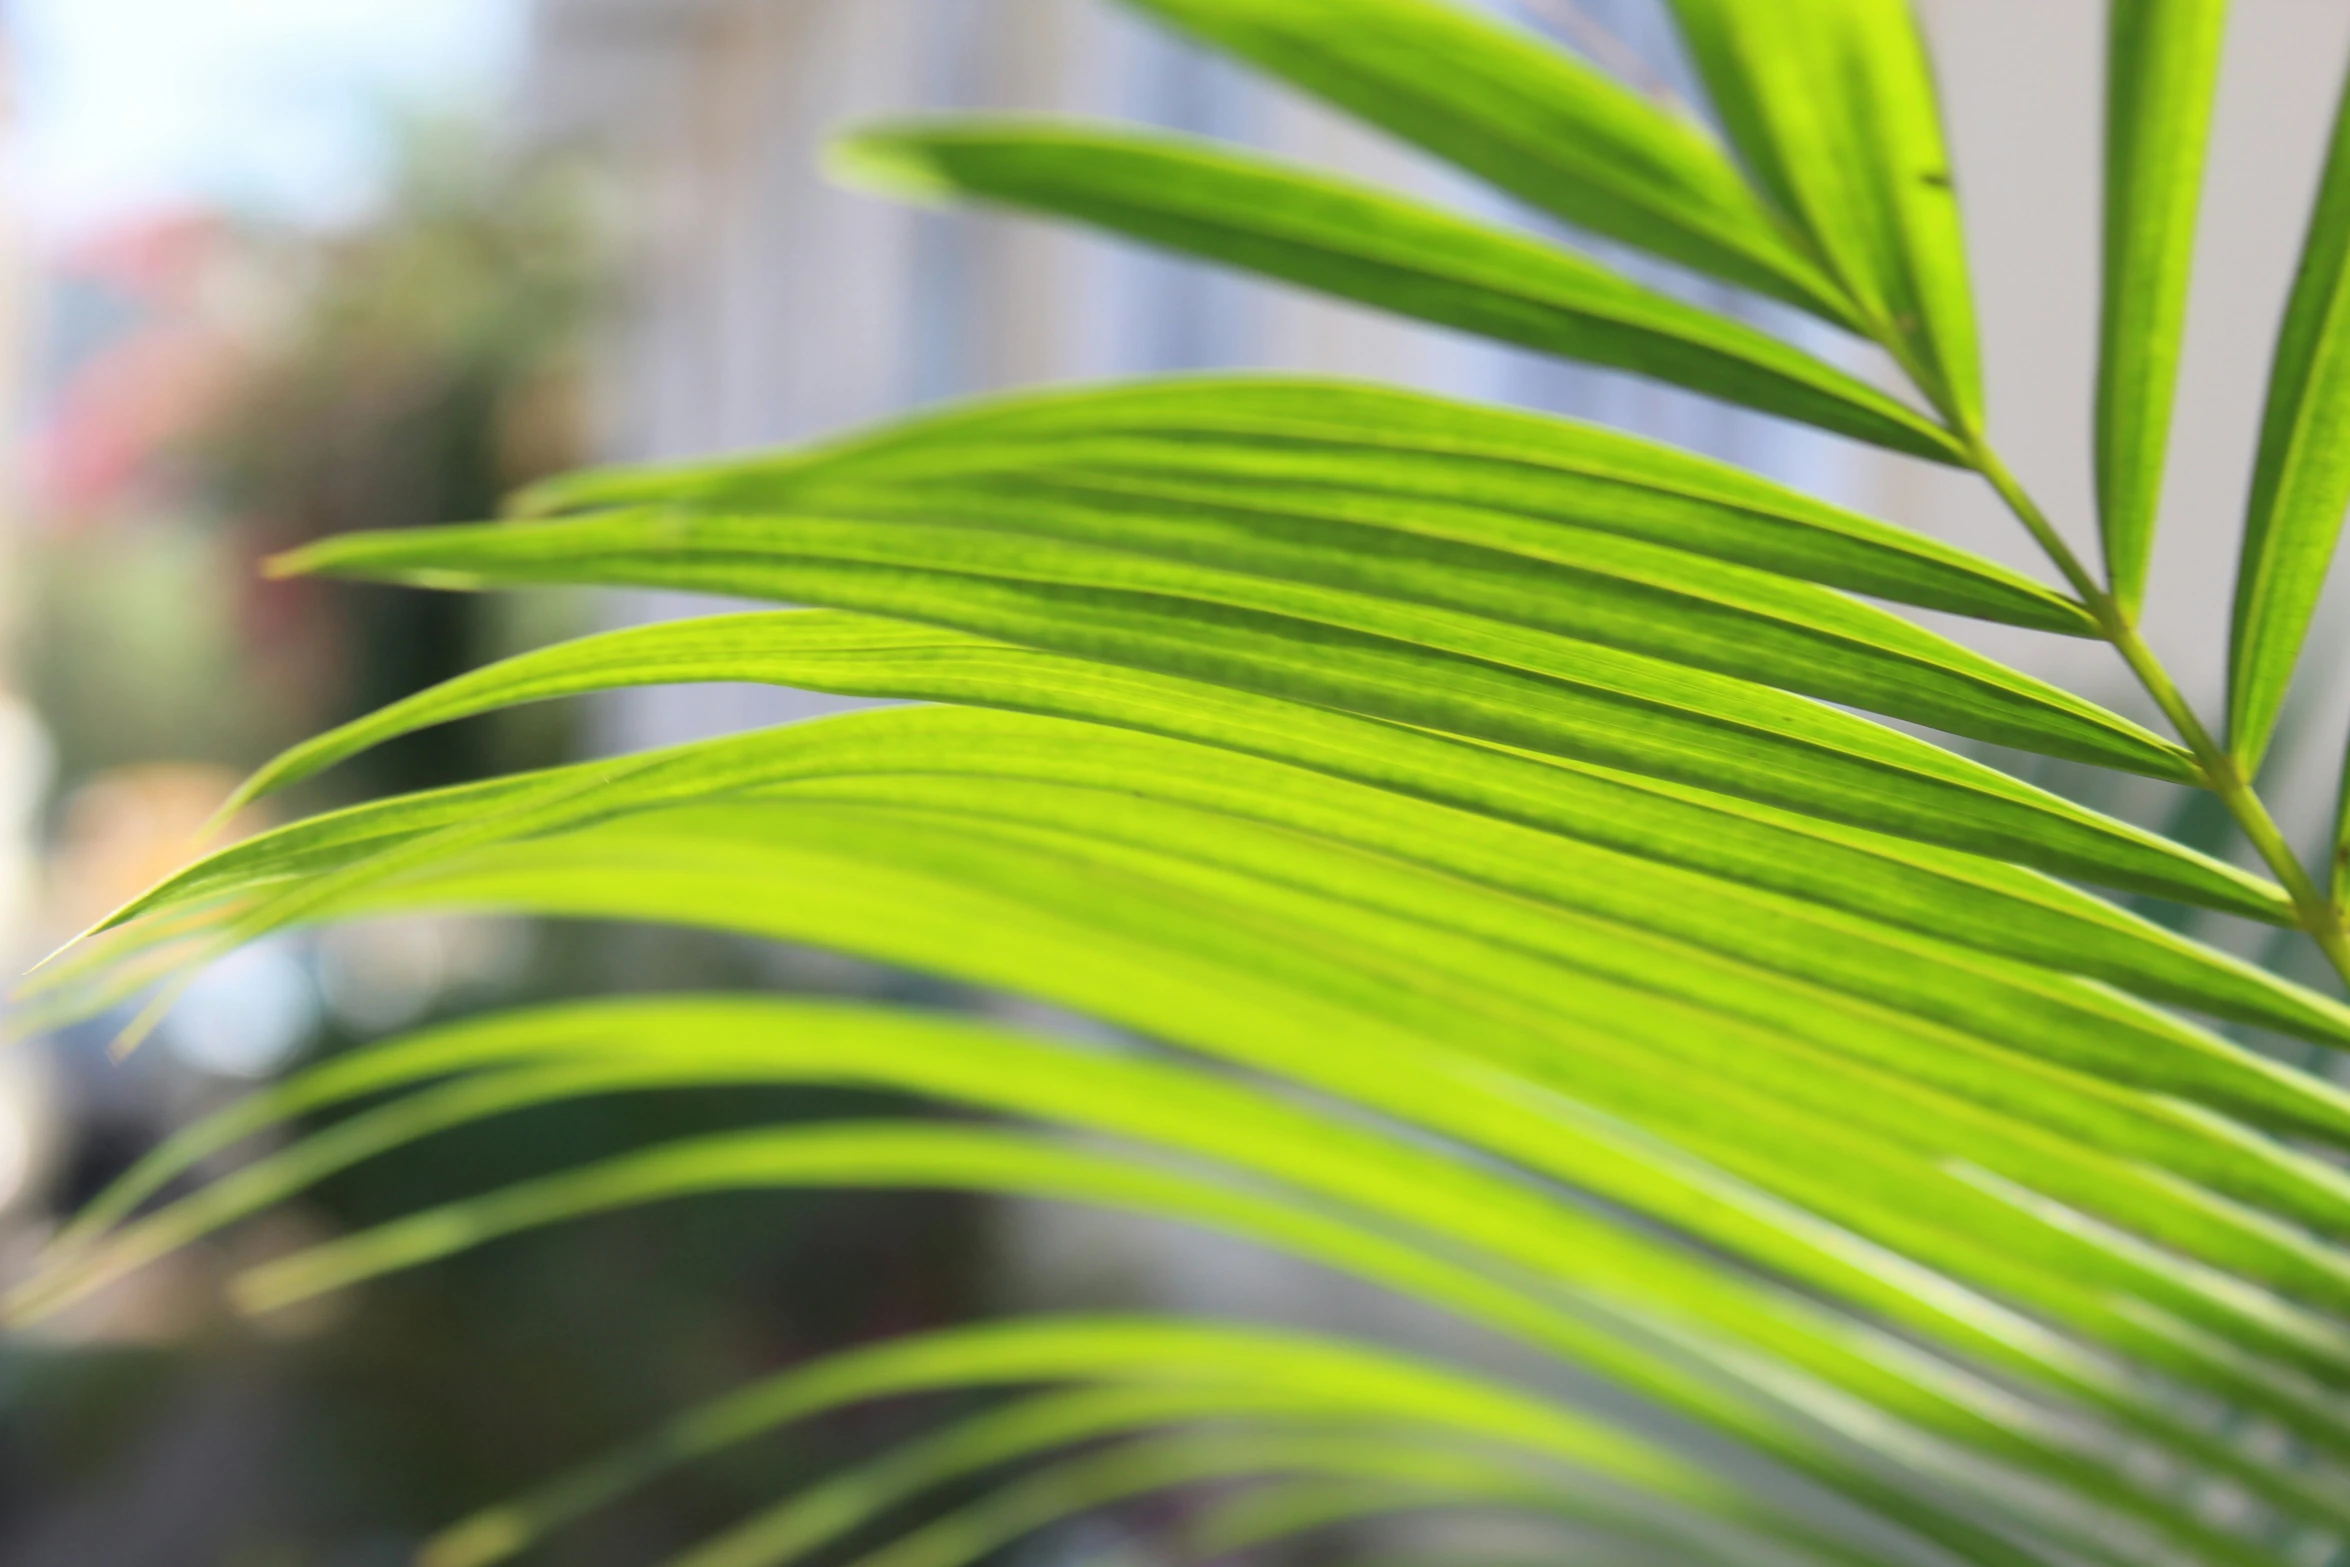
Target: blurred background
[(271, 269)]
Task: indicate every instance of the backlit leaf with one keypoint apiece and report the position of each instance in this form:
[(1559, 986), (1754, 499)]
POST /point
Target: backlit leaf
[(1531, 119), (2163, 74), (1832, 105), (1361, 244), (2301, 479)]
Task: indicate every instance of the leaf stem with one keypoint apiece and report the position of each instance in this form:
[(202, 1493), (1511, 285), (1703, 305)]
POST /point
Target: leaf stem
[(2027, 510), (2320, 914)]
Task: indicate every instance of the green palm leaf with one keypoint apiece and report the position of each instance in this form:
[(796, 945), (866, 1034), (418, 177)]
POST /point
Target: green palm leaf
[(1329, 452), (2165, 74), (2301, 479), (1470, 677), (1196, 1116), (1832, 105), (1533, 121), (1361, 244), (1120, 1372), (1626, 880), (532, 1058), (1490, 836), (2019, 915)]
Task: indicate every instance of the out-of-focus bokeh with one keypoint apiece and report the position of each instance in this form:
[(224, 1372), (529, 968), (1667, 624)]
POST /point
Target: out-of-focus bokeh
[(276, 269), (271, 269)]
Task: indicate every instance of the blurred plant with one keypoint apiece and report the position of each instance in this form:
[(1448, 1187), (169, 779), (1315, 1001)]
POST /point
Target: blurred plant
[(245, 390), (230, 389), (1472, 808), (436, 362)]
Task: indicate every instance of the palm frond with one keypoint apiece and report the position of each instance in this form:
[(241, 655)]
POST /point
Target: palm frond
[(2164, 77), (1492, 833), (2301, 481)]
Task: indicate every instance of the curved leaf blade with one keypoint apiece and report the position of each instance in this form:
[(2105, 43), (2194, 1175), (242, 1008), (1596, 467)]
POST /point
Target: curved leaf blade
[(1197, 523), (954, 547), (1832, 105), (2301, 479), (2163, 74), (1591, 705), (670, 864), (1047, 770), (1274, 1429), (1498, 478), (1127, 1362), (856, 1154), (1581, 1035), (1362, 244), (1154, 1466), (533, 1058), (1999, 911), (1530, 119)]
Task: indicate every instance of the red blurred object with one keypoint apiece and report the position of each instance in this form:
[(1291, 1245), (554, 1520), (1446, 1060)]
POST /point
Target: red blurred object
[(149, 353)]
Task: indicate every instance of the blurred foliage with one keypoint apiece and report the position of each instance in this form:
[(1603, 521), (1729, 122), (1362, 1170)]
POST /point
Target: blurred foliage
[(404, 372), (439, 360)]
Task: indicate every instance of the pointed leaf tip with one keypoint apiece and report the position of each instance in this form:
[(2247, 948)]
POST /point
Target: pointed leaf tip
[(1529, 118), (891, 161), (2163, 75), (1832, 104)]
